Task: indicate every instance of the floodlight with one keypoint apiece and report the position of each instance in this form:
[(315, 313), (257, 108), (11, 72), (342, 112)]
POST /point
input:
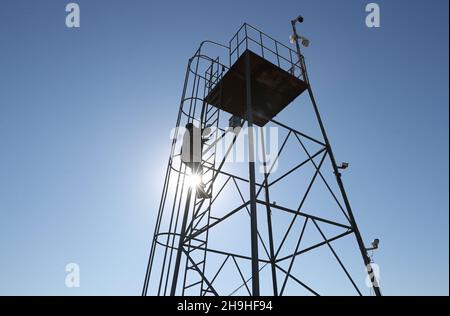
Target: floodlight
[(292, 39), (305, 42), (343, 165)]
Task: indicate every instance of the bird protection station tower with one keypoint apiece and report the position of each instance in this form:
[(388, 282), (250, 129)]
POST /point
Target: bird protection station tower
[(275, 219)]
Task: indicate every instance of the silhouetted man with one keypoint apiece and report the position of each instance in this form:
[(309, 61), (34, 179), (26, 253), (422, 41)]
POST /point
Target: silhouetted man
[(191, 155)]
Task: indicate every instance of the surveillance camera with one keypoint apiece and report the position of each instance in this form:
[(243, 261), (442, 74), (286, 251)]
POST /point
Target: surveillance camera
[(375, 243), (298, 19), (206, 131)]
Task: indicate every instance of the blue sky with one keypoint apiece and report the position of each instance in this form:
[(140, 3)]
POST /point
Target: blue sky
[(85, 116)]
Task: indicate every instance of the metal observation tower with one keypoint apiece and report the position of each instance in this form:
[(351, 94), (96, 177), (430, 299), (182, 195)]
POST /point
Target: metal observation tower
[(274, 218)]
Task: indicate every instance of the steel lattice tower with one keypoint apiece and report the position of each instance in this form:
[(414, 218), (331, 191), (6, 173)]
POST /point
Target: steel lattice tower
[(249, 236)]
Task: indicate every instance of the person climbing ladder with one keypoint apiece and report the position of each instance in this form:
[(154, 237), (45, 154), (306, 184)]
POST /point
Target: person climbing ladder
[(191, 155)]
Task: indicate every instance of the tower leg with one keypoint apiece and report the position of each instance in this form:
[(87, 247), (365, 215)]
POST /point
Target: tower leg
[(251, 164), (353, 224), (180, 244), (356, 231)]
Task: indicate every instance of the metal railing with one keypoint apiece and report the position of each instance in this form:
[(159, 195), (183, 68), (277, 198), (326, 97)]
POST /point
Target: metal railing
[(250, 38)]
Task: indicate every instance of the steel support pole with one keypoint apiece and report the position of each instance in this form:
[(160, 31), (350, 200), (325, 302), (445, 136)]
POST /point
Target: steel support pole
[(269, 218), (251, 164), (180, 243), (359, 239)]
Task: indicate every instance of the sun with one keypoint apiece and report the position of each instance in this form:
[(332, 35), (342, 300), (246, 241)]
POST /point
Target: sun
[(193, 180)]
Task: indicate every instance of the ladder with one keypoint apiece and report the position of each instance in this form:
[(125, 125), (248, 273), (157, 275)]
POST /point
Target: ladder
[(201, 215)]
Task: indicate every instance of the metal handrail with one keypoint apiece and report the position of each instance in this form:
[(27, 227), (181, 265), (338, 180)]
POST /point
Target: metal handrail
[(237, 42)]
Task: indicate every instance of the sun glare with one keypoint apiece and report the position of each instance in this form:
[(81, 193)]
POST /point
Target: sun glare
[(193, 180)]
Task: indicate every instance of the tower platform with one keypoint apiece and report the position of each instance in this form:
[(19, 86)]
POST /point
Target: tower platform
[(272, 89)]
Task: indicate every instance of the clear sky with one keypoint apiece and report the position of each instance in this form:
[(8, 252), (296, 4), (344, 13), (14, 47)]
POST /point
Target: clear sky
[(85, 116)]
